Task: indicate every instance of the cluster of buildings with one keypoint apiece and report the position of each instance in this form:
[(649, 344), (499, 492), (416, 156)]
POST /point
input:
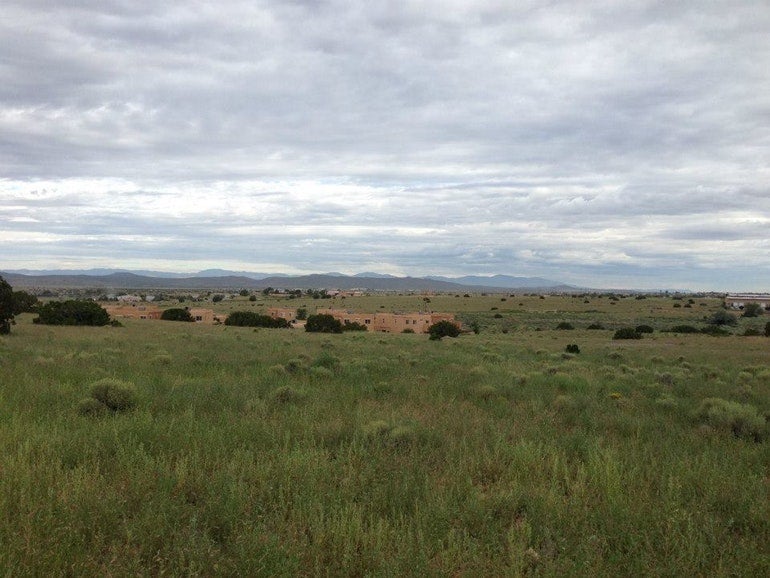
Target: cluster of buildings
[(381, 322), (740, 300), (416, 322), (140, 311)]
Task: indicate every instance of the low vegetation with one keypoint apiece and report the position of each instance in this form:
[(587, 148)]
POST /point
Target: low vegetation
[(72, 312), (251, 319), (193, 449)]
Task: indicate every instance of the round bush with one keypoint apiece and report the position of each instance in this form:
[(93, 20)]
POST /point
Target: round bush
[(644, 329), (116, 395), (572, 348), (565, 326), (443, 329), (90, 407), (176, 314), (627, 333)]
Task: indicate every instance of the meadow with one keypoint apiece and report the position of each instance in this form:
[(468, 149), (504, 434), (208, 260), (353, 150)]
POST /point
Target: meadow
[(282, 453)]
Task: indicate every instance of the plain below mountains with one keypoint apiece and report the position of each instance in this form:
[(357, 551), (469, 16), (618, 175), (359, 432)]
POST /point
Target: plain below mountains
[(222, 279)]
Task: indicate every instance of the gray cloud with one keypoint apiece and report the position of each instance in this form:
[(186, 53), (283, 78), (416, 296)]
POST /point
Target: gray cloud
[(593, 142)]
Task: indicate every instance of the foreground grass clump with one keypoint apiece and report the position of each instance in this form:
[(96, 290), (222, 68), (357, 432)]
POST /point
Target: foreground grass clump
[(114, 394), (297, 454), (742, 419)]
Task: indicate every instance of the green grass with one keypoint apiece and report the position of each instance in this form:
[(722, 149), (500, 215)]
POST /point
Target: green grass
[(278, 452)]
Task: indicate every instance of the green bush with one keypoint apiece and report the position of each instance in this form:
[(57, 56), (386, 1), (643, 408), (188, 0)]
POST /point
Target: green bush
[(743, 420), (6, 307), (723, 317), (627, 333), (116, 395), (177, 314), (327, 360), (72, 312), (443, 329), (644, 329), (753, 310), (323, 323), (595, 326), (251, 319), (767, 329), (565, 325), (572, 348), (90, 407), (353, 326)]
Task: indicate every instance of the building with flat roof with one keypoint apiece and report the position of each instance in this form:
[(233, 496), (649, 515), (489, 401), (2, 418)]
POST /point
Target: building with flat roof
[(740, 300)]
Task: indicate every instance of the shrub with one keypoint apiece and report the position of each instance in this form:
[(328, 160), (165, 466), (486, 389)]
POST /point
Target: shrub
[(752, 332), (723, 317), (301, 313), (644, 329), (565, 325), (90, 407), (443, 329), (217, 298), (327, 360), (116, 395), (627, 333), (753, 310), (251, 319), (767, 329), (595, 326), (353, 326), (408, 330), (572, 348), (323, 323), (742, 419), (6, 307), (72, 312), (176, 314), (287, 395)]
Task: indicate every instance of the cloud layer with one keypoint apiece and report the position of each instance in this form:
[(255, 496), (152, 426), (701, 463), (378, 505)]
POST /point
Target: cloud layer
[(594, 142)]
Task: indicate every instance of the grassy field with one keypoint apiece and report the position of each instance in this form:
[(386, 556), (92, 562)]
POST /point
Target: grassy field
[(282, 453)]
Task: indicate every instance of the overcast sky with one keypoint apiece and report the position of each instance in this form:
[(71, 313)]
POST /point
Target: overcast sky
[(605, 144)]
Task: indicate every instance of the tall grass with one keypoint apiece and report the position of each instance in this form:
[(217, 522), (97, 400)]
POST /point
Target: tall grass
[(279, 452)]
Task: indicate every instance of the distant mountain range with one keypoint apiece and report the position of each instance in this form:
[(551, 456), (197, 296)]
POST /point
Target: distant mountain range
[(211, 279)]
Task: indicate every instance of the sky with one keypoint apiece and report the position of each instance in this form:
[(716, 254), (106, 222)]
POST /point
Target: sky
[(605, 144)]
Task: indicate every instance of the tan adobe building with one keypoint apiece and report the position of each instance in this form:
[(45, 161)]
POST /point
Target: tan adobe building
[(133, 311), (200, 314), (739, 301), (286, 313), (390, 322)]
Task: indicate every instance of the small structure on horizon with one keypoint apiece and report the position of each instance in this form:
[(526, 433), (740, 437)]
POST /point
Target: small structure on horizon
[(740, 300)]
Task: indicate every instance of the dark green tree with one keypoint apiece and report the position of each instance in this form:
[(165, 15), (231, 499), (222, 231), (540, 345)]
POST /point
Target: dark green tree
[(323, 323), (767, 329), (443, 329), (176, 314), (72, 312), (6, 307), (251, 319), (23, 302)]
